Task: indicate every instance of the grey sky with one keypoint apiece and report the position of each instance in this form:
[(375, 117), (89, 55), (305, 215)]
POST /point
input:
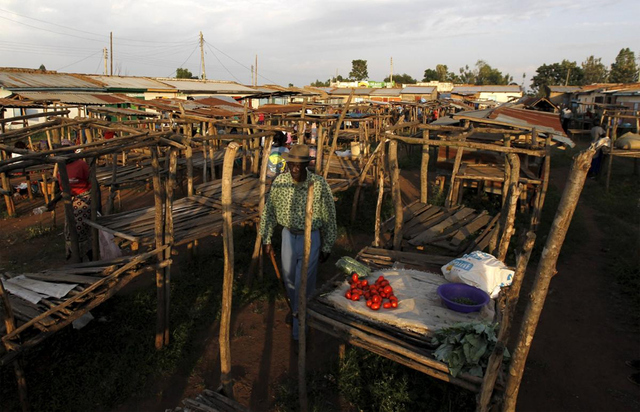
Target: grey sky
[(304, 40)]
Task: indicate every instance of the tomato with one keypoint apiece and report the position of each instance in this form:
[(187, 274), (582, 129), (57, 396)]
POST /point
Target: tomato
[(354, 277), (388, 290), (355, 296), (383, 295), (347, 295), (386, 305), (380, 278), (394, 304), (375, 306), (367, 295), (369, 302), (392, 298), (364, 282), (376, 299)]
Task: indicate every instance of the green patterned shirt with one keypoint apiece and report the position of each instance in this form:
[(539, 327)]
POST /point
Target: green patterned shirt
[(286, 206)]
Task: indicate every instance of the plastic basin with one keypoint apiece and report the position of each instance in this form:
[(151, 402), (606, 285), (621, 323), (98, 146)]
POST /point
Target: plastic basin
[(450, 291)]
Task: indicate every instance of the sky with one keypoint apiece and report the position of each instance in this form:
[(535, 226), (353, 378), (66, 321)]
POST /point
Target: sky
[(300, 41)]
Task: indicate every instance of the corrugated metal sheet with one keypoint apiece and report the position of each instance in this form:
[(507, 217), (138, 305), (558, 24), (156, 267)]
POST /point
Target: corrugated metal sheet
[(129, 82), (187, 85), (18, 103), (486, 89), (216, 101), (72, 98), (418, 90), (122, 112), (564, 89), (386, 92), (345, 91), (21, 79)]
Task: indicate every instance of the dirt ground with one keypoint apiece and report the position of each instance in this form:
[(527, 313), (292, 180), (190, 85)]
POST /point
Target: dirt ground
[(576, 362)]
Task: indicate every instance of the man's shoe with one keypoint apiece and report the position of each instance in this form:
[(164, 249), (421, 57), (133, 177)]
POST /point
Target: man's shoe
[(289, 319)]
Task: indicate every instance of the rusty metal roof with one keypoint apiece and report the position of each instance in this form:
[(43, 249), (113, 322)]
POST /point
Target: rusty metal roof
[(129, 82), (72, 98), (357, 91), (21, 79), (121, 111), (207, 86), (18, 103), (387, 92), (487, 89), (418, 90), (564, 89)]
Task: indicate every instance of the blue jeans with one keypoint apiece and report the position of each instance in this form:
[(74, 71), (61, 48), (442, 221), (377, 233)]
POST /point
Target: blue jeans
[(292, 254)]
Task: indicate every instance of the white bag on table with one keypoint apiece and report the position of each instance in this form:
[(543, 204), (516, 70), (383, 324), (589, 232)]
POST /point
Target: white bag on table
[(481, 270)]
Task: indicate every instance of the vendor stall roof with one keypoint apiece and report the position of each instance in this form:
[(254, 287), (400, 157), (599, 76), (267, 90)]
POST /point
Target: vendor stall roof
[(207, 86), (418, 90), (19, 103), (129, 82), (387, 92), (72, 98), (359, 91), (26, 79), (118, 111)]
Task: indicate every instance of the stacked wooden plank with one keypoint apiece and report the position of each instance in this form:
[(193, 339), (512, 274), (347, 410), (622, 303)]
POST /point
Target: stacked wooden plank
[(457, 229), (378, 258), (209, 401), (194, 217), (94, 283), (342, 167)]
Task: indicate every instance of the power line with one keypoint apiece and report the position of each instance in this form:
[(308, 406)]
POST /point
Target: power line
[(180, 66), (210, 45), (222, 64), (63, 67)]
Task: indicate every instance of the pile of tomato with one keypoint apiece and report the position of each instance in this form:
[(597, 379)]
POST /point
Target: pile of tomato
[(380, 294)]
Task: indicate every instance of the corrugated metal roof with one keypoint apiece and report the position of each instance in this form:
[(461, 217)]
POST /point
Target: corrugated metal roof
[(487, 89), (129, 82), (122, 111), (188, 85), (564, 89), (14, 79), (386, 92), (418, 90), (357, 91), (72, 98), (216, 101), (18, 103)]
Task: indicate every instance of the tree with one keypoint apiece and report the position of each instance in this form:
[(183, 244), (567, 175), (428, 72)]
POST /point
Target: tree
[(557, 74), (184, 74), (402, 79), (624, 69), (443, 72), (467, 75), (320, 83), (290, 84), (42, 68), (594, 71), (430, 75), (485, 74), (359, 70)]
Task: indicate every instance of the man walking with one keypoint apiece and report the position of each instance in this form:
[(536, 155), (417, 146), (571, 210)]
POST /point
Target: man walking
[(286, 207)]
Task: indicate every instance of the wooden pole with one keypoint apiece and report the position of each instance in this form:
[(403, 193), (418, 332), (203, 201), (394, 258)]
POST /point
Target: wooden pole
[(320, 148), (424, 170), (169, 239), (544, 273), (302, 302), (451, 196), (376, 240), (614, 135), (68, 210), (189, 156), (10, 326), (542, 191), (227, 286), (394, 177), (95, 200), (513, 189), (257, 248), (158, 194), (336, 131)]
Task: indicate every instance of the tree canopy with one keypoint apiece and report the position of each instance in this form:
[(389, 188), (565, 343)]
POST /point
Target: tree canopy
[(42, 68), (481, 74), (624, 69), (402, 79), (184, 74), (359, 70), (557, 74), (594, 71)]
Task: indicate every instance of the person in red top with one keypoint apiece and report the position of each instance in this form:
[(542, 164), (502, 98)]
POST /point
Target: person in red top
[(78, 171)]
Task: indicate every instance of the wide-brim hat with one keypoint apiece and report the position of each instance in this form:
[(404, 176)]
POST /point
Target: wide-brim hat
[(299, 153)]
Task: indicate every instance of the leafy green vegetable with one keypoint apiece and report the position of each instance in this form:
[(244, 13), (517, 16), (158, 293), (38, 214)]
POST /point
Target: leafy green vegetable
[(466, 347), (350, 265)]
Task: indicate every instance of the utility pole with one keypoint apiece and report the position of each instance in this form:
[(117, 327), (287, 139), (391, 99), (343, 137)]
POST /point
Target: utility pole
[(566, 82), (105, 54), (204, 73), (253, 79), (391, 75), (111, 51), (256, 69)]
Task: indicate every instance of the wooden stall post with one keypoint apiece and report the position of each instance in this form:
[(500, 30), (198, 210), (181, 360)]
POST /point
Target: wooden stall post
[(376, 239), (363, 176), (10, 326), (394, 177), (320, 148), (112, 186), (302, 303), (544, 273), (424, 170), (95, 200), (513, 194), (614, 137), (336, 131), (257, 258), (510, 302), (301, 123), (169, 238), (227, 285), (189, 156), (542, 190), (68, 210), (453, 194), (8, 199), (158, 194)]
